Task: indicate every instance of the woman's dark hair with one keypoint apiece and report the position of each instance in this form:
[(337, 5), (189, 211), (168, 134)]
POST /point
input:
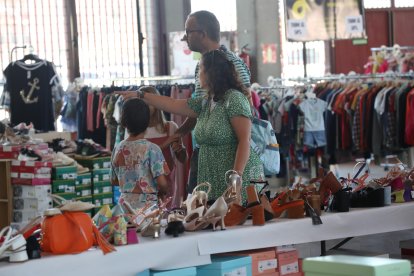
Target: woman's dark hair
[(208, 22), (220, 75), (135, 116)]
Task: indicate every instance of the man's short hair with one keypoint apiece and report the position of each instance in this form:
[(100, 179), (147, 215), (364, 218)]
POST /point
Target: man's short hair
[(208, 22)]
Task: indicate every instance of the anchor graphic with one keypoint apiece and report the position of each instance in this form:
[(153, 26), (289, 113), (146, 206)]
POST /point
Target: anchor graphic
[(27, 99)]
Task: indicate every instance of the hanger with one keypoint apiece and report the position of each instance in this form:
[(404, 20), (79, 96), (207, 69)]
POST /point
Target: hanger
[(31, 56)]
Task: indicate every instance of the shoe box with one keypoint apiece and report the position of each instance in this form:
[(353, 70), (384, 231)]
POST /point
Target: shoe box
[(34, 167), (264, 261), (288, 261), (63, 186), (30, 201), (39, 191), (227, 265), (9, 152), (84, 179), (35, 204), (83, 185), (101, 187), (64, 173), (188, 271), (96, 163), (101, 175), (355, 265), (21, 216)]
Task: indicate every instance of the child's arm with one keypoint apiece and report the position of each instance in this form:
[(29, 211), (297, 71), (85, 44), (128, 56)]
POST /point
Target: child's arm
[(162, 186)]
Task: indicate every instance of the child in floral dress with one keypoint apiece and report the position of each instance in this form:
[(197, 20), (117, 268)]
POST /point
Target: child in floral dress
[(138, 166)]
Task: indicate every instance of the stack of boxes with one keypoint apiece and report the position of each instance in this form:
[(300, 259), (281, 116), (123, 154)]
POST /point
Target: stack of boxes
[(83, 188), (279, 261), (63, 181), (31, 189), (101, 184)]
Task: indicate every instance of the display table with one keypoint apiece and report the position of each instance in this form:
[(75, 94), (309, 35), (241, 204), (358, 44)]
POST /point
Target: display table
[(192, 249)]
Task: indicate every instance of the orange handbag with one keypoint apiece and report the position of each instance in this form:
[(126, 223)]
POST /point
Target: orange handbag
[(71, 232)]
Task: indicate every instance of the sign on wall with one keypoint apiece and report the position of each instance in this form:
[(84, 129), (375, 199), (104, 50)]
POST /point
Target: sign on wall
[(308, 20)]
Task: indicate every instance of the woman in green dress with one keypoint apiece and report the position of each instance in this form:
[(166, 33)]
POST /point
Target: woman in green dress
[(223, 123)]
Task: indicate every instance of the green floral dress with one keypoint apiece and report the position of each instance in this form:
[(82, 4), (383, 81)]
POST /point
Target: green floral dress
[(218, 142)]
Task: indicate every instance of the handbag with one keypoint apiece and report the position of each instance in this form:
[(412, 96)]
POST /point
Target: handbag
[(263, 141), (71, 232)]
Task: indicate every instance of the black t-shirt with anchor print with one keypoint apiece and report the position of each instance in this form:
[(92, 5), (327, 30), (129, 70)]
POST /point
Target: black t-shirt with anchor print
[(30, 91)]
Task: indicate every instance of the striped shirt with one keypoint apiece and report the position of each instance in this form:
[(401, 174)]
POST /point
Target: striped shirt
[(241, 69)]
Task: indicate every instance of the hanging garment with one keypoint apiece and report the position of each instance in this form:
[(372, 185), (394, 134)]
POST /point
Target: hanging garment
[(29, 88)]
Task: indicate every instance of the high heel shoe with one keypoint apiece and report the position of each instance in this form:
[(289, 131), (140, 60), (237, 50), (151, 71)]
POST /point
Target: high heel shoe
[(234, 181), (198, 197), (216, 213), (153, 229), (329, 185), (294, 209), (258, 217), (192, 221), (237, 215)]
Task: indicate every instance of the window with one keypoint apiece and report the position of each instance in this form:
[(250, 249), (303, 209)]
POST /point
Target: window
[(404, 3), (108, 40), (36, 25), (377, 4), (225, 11)]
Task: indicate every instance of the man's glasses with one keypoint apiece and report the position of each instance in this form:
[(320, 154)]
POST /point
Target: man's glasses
[(187, 32)]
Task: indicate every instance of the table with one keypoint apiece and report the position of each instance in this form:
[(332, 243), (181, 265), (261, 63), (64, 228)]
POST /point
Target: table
[(192, 249)]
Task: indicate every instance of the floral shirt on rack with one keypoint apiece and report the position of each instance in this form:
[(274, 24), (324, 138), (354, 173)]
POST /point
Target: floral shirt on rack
[(135, 165)]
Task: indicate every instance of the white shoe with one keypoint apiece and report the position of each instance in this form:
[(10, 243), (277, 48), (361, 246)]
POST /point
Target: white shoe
[(16, 256), (12, 247)]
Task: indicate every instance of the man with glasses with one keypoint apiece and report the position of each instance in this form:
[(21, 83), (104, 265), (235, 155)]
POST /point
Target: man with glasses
[(202, 34)]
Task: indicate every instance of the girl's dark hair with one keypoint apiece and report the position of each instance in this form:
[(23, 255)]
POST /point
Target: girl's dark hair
[(221, 75), (208, 22), (135, 116)]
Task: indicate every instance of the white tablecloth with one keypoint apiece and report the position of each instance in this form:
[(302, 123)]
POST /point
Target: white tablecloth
[(192, 249)]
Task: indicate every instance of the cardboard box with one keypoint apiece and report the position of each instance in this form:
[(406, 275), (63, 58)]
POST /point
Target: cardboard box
[(64, 173), (33, 170), (354, 265), (227, 265), (96, 163), (188, 271), (288, 262), (33, 204), (84, 179), (352, 252), (101, 199), (21, 216), (83, 191), (264, 261), (102, 187), (63, 186), (36, 164), (101, 175), (31, 181), (41, 191)]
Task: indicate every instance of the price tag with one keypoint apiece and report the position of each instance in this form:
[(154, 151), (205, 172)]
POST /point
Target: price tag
[(296, 29), (354, 24), (241, 271), (267, 264)]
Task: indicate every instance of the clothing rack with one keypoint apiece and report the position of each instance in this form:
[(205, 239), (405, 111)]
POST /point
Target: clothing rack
[(354, 77), (394, 48), (155, 78)]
